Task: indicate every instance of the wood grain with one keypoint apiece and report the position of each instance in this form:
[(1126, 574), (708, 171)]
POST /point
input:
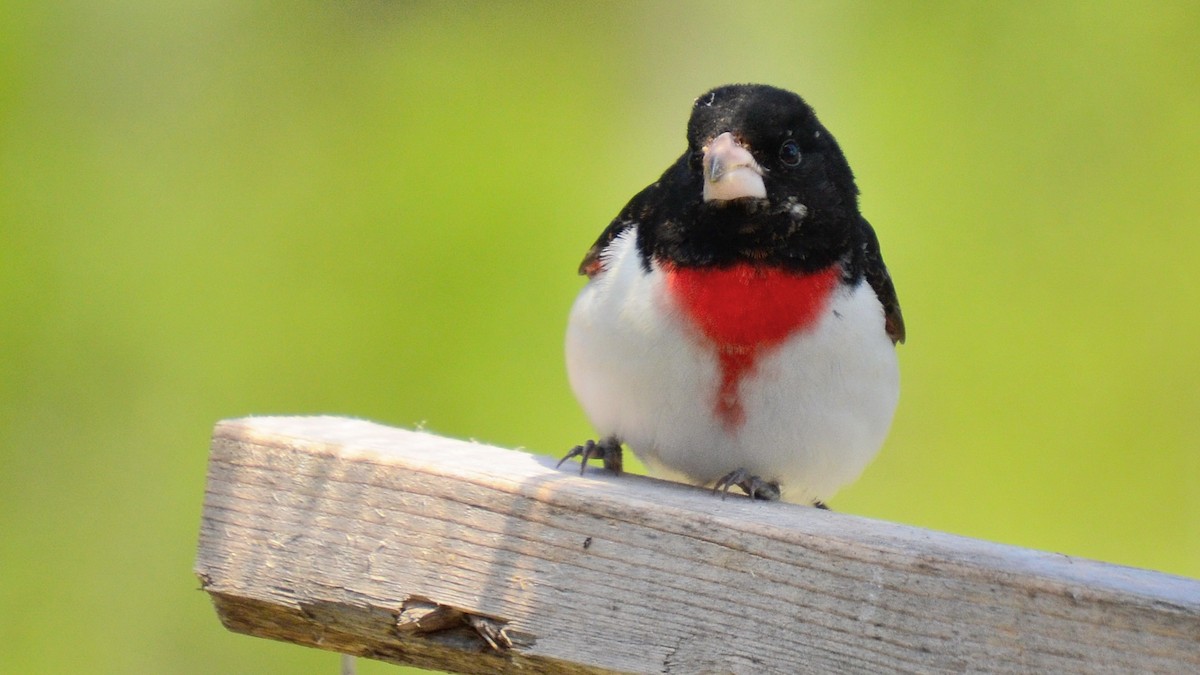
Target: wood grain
[(385, 543)]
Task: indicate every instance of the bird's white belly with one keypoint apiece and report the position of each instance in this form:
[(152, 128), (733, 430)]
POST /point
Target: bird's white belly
[(817, 407)]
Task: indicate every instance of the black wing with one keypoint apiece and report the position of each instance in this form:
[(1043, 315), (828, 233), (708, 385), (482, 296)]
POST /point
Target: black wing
[(877, 275), (644, 207), (592, 264)]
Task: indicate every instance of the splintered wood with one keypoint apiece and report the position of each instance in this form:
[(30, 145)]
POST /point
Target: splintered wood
[(416, 549)]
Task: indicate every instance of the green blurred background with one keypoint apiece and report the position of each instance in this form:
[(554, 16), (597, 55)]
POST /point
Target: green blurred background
[(210, 210)]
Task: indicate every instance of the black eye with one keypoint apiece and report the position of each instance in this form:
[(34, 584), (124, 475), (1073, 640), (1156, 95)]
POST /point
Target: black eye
[(789, 153)]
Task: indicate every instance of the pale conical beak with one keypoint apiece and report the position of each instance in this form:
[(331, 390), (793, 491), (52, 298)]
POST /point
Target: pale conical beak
[(730, 171)]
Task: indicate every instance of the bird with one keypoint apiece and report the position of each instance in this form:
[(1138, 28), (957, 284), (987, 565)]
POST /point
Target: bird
[(738, 324)]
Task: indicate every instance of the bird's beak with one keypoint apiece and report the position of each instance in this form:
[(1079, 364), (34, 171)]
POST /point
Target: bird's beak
[(730, 171)]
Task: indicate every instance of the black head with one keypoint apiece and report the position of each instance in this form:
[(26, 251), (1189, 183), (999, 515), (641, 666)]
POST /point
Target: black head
[(798, 156), (762, 180)]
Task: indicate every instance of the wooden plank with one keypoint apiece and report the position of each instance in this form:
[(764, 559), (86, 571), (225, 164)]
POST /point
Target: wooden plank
[(385, 543)]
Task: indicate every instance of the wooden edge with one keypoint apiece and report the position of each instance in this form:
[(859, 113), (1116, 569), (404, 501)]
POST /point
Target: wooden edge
[(413, 548)]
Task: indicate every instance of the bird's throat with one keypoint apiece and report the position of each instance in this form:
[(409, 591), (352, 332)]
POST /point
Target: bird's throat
[(743, 312)]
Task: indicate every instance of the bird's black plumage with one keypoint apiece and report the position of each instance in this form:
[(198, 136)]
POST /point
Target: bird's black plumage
[(808, 221)]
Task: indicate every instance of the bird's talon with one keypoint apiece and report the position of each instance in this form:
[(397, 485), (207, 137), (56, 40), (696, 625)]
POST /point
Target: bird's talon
[(753, 486), (607, 450), (573, 452)]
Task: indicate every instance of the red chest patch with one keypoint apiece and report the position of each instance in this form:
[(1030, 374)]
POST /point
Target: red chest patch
[(746, 310)]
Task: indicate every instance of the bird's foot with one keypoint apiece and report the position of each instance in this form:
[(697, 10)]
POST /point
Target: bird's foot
[(608, 450), (754, 486)]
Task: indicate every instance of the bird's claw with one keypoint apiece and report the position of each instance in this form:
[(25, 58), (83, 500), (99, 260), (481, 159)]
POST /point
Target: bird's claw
[(755, 487), (608, 450)]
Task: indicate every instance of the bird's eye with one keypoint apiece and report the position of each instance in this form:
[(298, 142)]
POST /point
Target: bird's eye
[(789, 153)]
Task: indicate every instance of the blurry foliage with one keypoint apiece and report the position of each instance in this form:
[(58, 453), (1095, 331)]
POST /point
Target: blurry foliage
[(210, 210)]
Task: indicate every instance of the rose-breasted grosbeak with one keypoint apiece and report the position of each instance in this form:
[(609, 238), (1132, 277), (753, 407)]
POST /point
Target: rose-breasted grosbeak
[(738, 325)]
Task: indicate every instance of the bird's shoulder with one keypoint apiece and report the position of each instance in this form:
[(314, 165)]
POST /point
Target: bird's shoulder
[(652, 204)]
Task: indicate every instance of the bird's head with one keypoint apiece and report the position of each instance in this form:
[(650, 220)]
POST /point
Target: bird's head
[(755, 146)]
